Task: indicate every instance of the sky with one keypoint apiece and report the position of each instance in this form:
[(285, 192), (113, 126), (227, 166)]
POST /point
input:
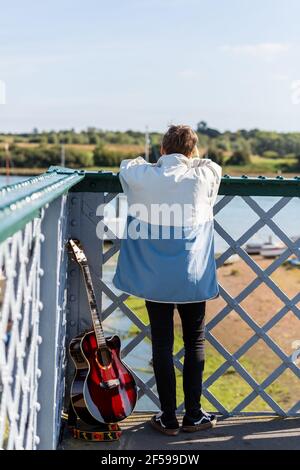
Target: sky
[(125, 64)]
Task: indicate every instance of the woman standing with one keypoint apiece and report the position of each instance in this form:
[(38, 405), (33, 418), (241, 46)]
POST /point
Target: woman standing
[(167, 258)]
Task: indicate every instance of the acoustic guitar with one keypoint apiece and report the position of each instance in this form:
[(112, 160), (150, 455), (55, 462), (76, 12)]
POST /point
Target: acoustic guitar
[(103, 388)]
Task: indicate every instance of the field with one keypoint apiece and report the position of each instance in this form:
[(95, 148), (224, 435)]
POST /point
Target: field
[(261, 166), (232, 332), (258, 166), (126, 148)]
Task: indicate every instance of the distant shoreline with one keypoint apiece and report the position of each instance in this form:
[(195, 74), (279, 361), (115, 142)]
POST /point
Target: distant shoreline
[(23, 171), (250, 170), (232, 171)]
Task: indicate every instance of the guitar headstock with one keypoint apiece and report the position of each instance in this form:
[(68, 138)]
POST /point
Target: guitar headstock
[(76, 250)]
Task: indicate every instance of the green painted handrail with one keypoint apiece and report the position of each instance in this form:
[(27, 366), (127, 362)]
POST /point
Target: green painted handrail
[(21, 202), (103, 181)]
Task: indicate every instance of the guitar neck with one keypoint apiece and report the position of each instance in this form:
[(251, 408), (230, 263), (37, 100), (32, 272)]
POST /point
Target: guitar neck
[(93, 306)]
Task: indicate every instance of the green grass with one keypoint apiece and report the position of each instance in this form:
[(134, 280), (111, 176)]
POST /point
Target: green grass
[(258, 166), (113, 169), (261, 166), (230, 388)]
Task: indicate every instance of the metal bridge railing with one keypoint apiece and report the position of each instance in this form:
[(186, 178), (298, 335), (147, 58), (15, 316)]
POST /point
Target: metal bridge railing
[(43, 301), (32, 316)]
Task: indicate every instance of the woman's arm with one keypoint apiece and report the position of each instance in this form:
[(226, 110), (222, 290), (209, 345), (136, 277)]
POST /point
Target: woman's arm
[(132, 172)]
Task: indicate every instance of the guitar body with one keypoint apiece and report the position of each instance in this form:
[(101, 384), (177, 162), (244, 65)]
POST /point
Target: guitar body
[(103, 388)]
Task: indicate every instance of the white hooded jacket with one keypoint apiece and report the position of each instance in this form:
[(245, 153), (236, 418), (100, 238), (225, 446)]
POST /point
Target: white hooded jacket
[(167, 254)]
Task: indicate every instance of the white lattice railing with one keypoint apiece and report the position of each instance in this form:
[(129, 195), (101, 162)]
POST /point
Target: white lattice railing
[(233, 304), (32, 310), (19, 327)]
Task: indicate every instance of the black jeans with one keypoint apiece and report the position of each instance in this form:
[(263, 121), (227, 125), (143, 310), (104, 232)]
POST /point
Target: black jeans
[(162, 332)]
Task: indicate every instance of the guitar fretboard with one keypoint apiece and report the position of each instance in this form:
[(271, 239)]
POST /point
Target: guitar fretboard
[(93, 305)]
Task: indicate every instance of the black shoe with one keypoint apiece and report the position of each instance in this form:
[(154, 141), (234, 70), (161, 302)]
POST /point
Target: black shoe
[(168, 427), (203, 421)]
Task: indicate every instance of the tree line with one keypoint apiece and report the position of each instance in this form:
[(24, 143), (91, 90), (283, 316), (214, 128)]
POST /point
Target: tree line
[(107, 148)]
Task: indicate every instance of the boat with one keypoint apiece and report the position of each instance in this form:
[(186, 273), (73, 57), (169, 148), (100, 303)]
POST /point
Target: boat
[(267, 249), (253, 248), (272, 249)]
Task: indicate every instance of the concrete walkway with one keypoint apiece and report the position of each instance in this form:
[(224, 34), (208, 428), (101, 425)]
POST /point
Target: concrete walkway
[(239, 433)]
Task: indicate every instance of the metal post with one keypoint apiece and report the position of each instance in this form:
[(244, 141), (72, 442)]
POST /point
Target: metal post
[(82, 225), (52, 325), (147, 143), (62, 156), (7, 161)]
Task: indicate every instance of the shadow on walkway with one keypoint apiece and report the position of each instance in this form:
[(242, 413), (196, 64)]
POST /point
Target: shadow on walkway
[(240, 433)]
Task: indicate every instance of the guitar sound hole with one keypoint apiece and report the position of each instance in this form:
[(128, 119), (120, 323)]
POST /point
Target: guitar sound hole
[(104, 357)]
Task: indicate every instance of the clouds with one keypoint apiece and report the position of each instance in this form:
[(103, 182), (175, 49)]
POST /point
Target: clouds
[(264, 50)]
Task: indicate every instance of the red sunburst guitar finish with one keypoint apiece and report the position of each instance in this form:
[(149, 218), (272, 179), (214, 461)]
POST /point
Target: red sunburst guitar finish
[(103, 388)]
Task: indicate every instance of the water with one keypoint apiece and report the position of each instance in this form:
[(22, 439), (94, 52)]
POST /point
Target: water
[(237, 217)]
